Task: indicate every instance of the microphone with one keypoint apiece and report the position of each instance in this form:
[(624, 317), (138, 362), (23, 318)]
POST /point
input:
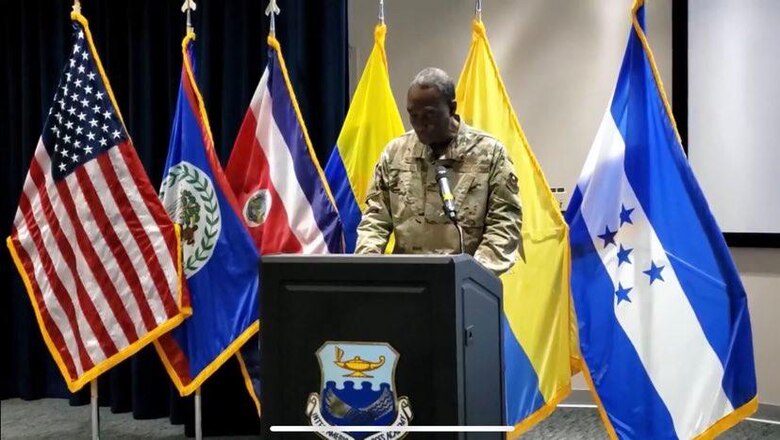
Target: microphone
[(448, 201), (446, 194)]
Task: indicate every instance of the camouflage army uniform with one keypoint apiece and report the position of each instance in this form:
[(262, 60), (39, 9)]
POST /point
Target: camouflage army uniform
[(404, 198)]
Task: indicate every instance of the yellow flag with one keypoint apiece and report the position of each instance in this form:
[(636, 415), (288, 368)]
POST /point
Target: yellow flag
[(372, 121), (540, 335)]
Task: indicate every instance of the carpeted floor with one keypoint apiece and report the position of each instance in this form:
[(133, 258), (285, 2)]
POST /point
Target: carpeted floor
[(55, 419)]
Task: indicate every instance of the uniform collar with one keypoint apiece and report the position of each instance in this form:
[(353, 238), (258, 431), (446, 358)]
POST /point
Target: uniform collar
[(452, 153)]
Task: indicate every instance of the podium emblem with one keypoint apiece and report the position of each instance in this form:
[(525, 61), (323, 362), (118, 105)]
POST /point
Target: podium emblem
[(358, 389)]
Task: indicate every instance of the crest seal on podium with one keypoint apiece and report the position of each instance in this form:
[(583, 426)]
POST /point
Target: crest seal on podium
[(358, 389)]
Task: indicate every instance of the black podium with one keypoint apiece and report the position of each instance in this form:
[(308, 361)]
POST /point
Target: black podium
[(441, 316)]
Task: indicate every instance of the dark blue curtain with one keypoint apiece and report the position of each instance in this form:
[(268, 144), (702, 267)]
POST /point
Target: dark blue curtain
[(139, 44)]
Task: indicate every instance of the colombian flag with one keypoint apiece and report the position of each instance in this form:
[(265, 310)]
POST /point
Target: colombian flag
[(372, 121), (539, 331)]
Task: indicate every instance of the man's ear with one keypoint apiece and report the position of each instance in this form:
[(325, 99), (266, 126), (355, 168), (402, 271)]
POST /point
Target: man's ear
[(453, 107)]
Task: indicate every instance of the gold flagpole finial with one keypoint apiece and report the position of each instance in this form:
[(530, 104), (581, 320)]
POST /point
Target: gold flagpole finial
[(272, 10), (188, 7), (77, 6)]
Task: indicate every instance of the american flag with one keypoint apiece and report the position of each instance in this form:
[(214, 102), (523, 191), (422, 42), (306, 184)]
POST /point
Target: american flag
[(97, 251)]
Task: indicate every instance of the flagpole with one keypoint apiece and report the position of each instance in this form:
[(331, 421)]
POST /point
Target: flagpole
[(93, 385), (272, 28), (198, 416), (381, 15), (187, 7), (478, 10), (272, 10), (93, 400)]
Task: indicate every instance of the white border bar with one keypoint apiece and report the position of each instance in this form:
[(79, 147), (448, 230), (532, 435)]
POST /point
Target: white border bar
[(306, 428)]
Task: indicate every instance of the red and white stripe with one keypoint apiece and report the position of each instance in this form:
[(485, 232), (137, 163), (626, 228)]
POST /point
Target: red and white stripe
[(291, 217), (101, 258)]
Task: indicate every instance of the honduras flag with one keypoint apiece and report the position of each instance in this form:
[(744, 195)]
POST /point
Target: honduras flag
[(663, 318), (219, 258)]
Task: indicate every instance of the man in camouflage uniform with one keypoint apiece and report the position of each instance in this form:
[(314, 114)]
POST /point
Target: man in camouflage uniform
[(404, 194)]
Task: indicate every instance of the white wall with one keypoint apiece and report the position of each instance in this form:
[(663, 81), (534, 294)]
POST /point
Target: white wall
[(733, 67), (559, 60)]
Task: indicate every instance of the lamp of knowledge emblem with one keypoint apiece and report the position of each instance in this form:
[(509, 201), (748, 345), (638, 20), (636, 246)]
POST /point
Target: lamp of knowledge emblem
[(190, 199), (358, 389)]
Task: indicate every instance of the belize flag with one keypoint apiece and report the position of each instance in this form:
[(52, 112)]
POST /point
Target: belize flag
[(219, 258), (663, 316)]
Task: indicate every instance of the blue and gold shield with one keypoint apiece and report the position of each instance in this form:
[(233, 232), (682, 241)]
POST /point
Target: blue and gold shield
[(358, 389)]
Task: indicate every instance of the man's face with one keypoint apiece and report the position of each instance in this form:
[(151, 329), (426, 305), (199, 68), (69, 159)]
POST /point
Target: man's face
[(429, 114)]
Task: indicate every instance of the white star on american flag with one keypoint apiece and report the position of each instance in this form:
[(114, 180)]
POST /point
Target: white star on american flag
[(81, 122)]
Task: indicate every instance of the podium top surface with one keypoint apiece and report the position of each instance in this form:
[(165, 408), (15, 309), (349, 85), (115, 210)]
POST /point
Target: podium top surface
[(371, 258), (412, 265)]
